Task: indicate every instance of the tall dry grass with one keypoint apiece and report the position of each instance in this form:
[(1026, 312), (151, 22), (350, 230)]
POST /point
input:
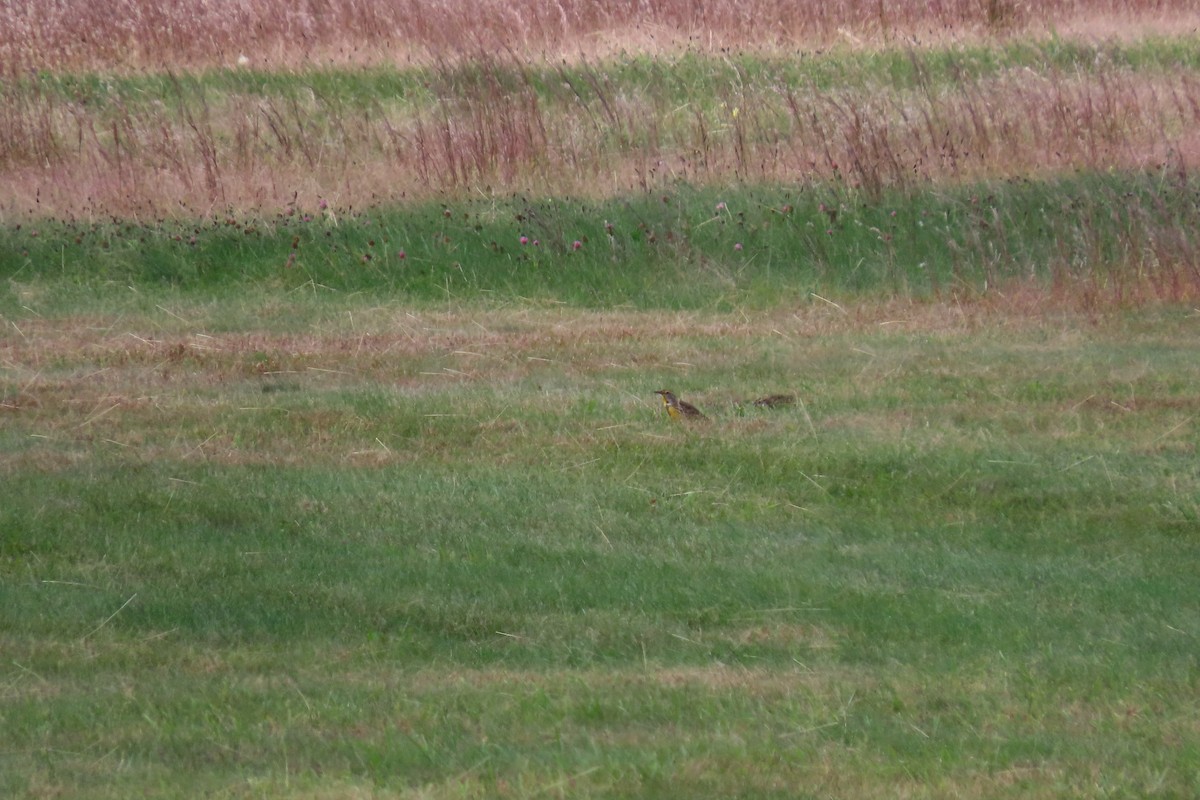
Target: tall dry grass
[(501, 128), (134, 34), (494, 112)]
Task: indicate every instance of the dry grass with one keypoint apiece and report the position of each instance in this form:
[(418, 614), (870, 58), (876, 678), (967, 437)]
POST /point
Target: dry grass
[(374, 338), (83, 383), (136, 34), (515, 127), (199, 157)]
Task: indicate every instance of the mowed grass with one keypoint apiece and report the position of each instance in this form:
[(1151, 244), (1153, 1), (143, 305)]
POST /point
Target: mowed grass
[(330, 545)]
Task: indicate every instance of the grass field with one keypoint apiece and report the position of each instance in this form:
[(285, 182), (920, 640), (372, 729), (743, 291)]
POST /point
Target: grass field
[(330, 457), (463, 554)]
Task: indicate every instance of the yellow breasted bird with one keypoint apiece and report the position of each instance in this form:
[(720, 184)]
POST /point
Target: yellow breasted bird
[(677, 408)]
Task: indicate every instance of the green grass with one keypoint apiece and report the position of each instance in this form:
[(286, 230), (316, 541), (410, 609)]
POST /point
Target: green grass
[(1109, 236), (345, 547), (687, 77)]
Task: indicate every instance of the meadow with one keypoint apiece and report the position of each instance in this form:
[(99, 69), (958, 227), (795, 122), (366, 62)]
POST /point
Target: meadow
[(330, 457)]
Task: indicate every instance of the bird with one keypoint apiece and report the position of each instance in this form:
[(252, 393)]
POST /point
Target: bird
[(677, 408), (774, 401)]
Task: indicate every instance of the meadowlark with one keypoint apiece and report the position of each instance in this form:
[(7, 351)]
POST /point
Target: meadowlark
[(774, 401), (676, 408)]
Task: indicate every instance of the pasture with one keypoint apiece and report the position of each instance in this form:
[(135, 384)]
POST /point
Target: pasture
[(330, 457)]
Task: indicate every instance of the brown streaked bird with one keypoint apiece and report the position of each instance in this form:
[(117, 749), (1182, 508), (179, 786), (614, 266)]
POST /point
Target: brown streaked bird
[(774, 401), (677, 408)]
